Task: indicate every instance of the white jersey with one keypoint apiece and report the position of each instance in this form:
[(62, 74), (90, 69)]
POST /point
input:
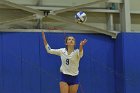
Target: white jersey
[(70, 63)]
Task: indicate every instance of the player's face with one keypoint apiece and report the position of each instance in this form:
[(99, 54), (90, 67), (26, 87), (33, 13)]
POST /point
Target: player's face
[(70, 41)]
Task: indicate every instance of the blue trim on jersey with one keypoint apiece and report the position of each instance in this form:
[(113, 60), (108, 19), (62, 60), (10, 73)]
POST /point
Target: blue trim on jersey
[(70, 80)]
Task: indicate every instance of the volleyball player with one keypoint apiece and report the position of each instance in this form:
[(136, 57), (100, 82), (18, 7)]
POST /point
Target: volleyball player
[(70, 59)]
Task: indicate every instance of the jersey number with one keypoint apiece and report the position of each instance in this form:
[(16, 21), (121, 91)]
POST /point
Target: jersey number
[(67, 61)]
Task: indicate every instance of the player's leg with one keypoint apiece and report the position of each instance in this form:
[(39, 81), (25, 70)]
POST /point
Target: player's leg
[(73, 84), (64, 87), (74, 88)]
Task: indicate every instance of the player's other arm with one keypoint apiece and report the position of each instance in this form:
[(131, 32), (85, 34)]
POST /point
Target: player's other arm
[(48, 48), (82, 43)]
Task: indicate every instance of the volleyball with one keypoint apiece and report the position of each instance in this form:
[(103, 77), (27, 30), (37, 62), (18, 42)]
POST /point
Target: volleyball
[(80, 17)]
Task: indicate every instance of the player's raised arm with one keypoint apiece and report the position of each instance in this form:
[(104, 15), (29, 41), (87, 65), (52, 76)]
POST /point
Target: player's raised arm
[(48, 48), (82, 43), (44, 39)]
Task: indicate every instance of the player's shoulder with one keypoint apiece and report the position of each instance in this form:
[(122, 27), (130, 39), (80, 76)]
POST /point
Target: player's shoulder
[(76, 50), (63, 49)]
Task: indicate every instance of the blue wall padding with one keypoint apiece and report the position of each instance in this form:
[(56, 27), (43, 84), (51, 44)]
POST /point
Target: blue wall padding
[(1, 74), (30, 59), (132, 62), (108, 65), (102, 64), (11, 60), (119, 70), (127, 61)]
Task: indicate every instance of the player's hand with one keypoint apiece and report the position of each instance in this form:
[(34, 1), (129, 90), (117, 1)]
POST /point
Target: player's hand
[(82, 43)]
